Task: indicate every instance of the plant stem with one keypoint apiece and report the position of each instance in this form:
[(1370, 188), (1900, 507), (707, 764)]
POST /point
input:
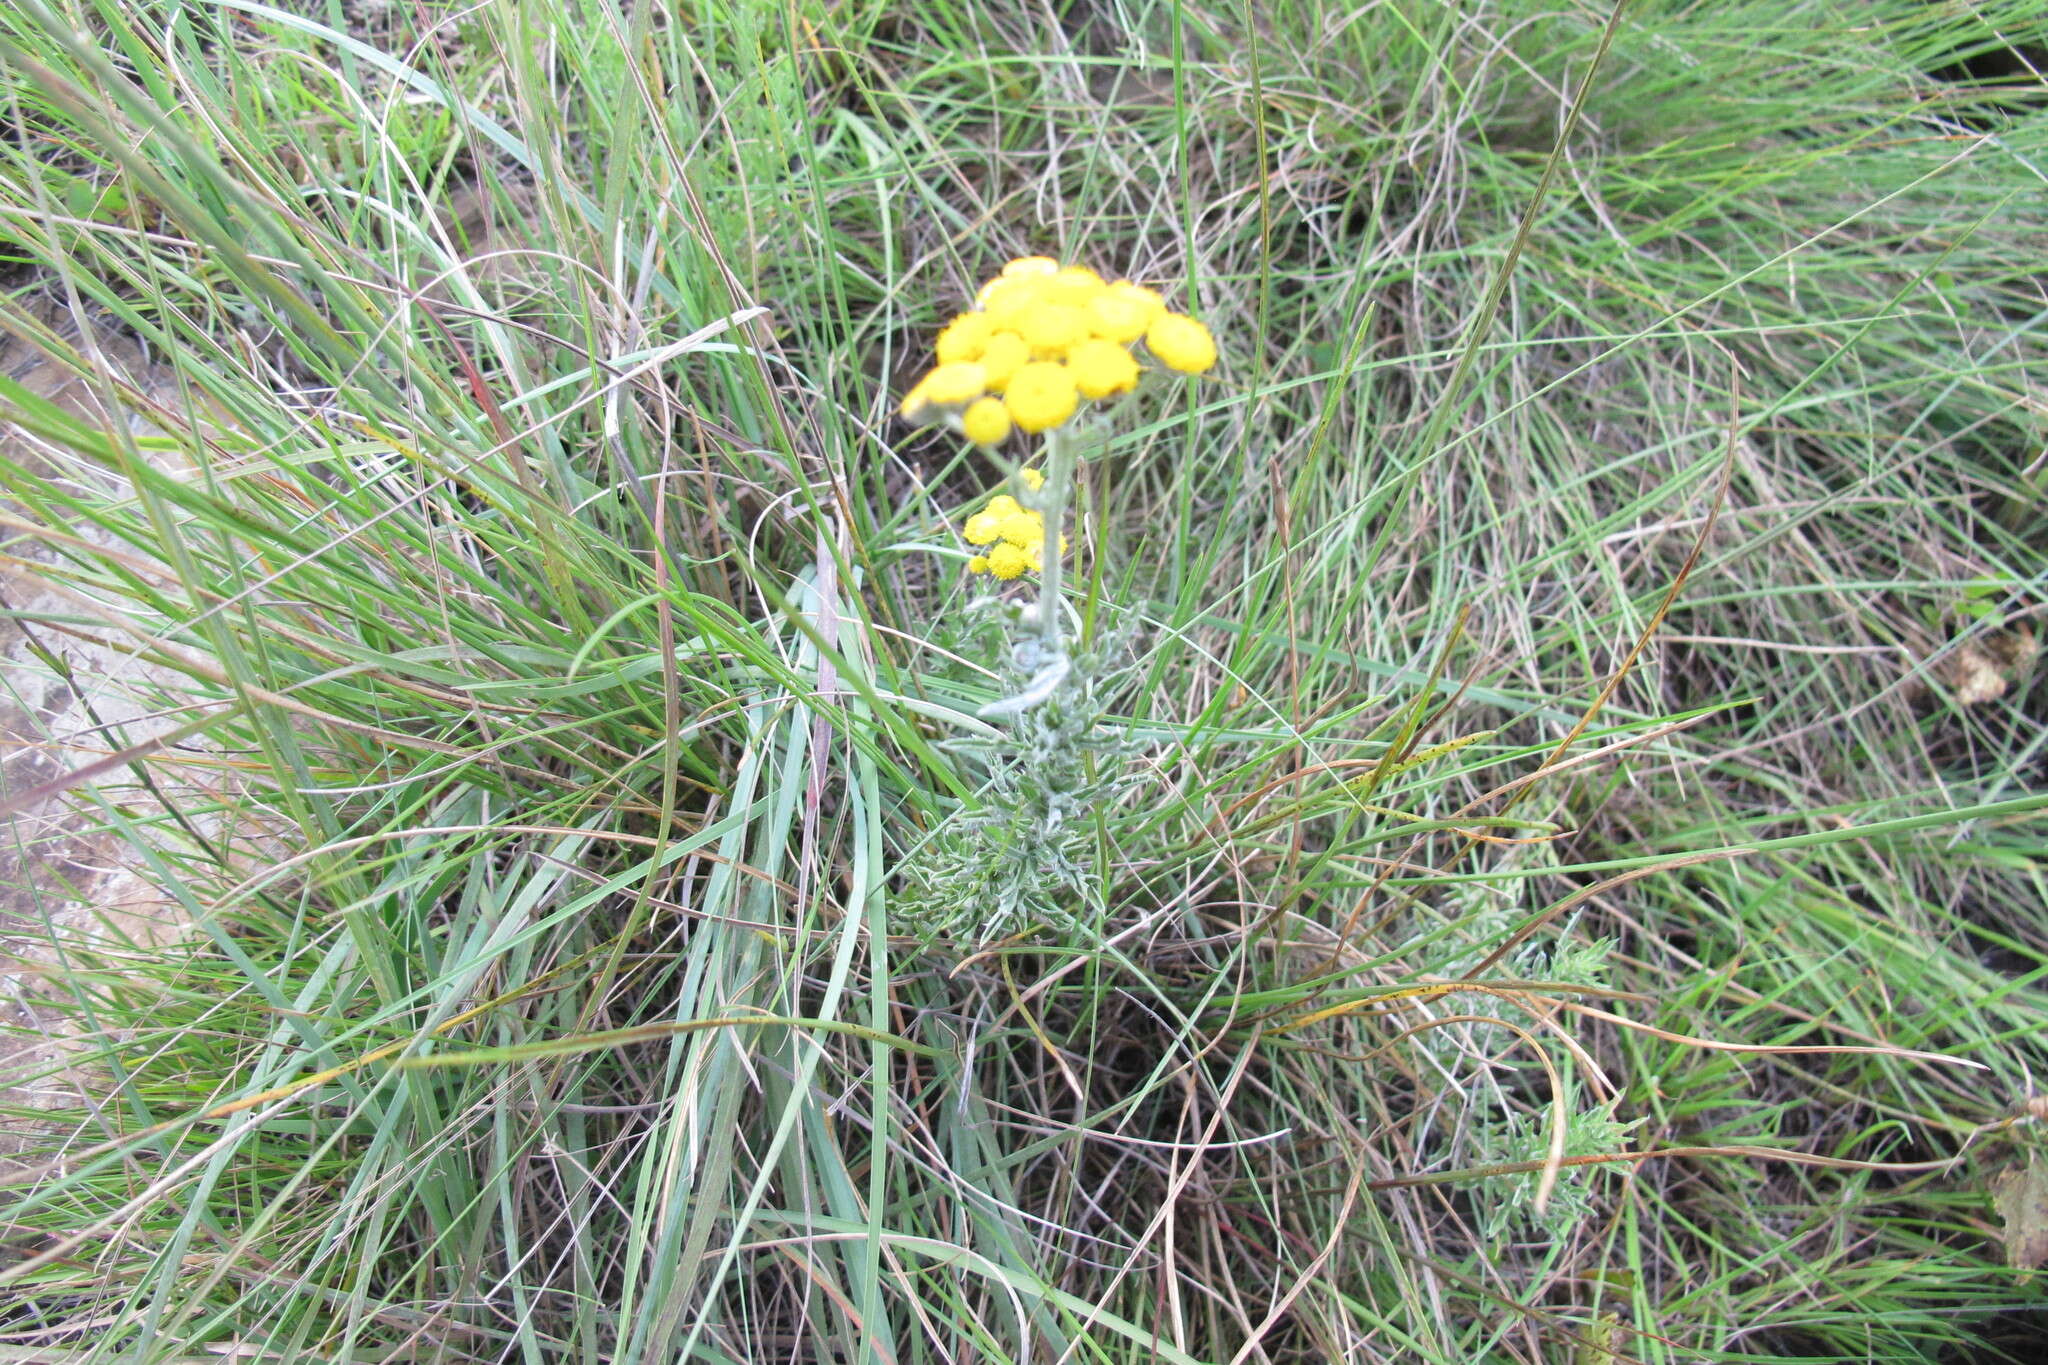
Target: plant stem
[(1059, 469)]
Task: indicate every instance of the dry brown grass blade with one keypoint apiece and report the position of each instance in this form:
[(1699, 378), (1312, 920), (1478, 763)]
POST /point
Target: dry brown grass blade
[(30, 798), (1768, 1049)]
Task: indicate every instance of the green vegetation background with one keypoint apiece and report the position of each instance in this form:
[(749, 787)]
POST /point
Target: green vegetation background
[(563, 730)]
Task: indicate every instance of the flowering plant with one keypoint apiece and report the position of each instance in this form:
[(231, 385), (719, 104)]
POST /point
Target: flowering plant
[(1042, 339), (1042, 342)]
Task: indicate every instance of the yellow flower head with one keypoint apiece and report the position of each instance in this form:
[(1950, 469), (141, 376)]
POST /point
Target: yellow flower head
[(1006, 561), (1005, 352), (1050, 329), (1181, 343), (1022, 529), (983, 529), (1032, 265), (1122, 312), (1041, 395), (963, 381), (1033, 479), (986, 421), (1074, 286), (1101, 368), (1005, 301), (965, 338), (960, 382)]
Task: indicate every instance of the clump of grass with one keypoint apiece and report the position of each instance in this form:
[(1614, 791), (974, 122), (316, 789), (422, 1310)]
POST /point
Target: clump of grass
[(555, 620)]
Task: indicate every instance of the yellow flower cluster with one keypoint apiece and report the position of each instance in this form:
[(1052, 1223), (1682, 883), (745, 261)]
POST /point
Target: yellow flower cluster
[(1013, 535), (1043, 337)]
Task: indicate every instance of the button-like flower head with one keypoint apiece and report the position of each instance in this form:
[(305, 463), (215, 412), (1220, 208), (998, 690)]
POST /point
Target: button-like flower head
[(965, 338), (1041, 395), (986, 421), (1102, 368), (1005, 353), (1006, 561), (1052, 329), (1122, 312), (1181, 343)]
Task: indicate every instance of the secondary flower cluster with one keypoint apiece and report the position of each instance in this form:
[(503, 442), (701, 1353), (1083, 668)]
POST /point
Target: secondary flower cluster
[(1013, 535), (1043, 337)]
